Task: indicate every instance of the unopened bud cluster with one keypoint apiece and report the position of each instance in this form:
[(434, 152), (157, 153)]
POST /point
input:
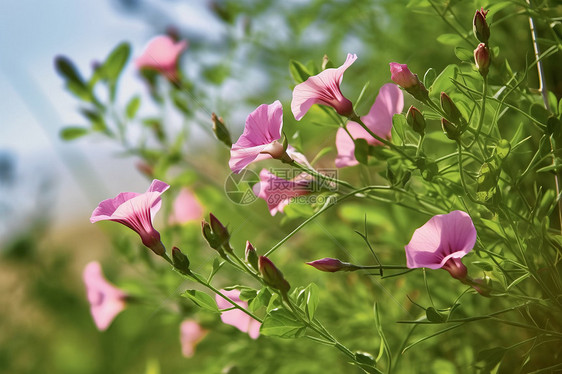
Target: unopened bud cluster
[(482, 33), (216, 234)]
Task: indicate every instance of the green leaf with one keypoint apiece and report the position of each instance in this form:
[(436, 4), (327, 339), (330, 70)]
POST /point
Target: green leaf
[(398, 132), (464, 54), (133, 107), (450, 39), (443, 81), (487, 181), (262, 299), (433, 315), (115, 62), (490, 357), (65, 67), (217, 264), (72, 132), (312, 299), (483, 265), (202, 300), (280, 323), (299, 72), (361, 151), (429, 77), (503, 148)]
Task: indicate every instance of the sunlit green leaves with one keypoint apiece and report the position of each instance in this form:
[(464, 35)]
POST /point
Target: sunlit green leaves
[(202, 300), (280, 323), (73, 132)]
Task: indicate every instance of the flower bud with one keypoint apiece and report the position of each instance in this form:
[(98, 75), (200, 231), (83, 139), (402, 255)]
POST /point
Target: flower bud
[(480, 26), (220, 130), (209, 236), (332, 265), (251, 255), (416, 120), (221, 233), (180, 261), (272, 276), (482, 58), (402, 76), (450, 129), (451, 110)]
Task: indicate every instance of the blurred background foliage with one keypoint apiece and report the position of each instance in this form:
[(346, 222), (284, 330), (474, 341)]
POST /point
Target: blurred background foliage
[(45, 320)]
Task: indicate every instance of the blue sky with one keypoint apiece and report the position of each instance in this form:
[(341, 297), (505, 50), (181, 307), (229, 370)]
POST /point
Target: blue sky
[(34, 106)]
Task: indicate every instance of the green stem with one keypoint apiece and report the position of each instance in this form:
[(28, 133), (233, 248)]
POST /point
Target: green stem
[(318, 175), (482, 113), (355, 118)]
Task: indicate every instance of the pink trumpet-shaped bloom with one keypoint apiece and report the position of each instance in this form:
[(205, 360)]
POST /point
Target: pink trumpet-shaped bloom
[(323, 88), (186, 208), (236, 317), (389, 102), (278, 192), (106, 300), (135, 211), (259, 141), (161, 53), (442, 242), (191, 333)]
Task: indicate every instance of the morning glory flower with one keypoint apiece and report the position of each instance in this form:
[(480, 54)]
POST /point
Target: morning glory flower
[(442, 242), (136, 211), (324, 89), (106, 300), (161, 54)]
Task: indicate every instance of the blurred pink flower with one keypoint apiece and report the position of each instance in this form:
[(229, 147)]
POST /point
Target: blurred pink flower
[(236, 317), (442, 242), (278, 192), (402, 76), (135, 211), (389, 102), (186, 208), (323, 88), (259, 141), (106, 300), (191, 333), (161, 53)]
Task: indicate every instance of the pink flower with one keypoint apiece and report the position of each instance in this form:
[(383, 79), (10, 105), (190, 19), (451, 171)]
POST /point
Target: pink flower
[(389, 101), (278, 192), (161, 53), (191, 333), (332, 265), (106, 300), (323, 88), (442, 242), (186, 208), (402, 76), (236, 317), (259, 141), (135, 211)]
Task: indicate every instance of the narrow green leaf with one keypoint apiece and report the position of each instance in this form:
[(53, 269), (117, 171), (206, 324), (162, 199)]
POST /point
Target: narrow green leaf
[(65, 67), (202, 300), (280, 323), (115, 62), (450, 39), (312, 299), (72, 132), (483, 265), (132, 107), (299, 72)]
